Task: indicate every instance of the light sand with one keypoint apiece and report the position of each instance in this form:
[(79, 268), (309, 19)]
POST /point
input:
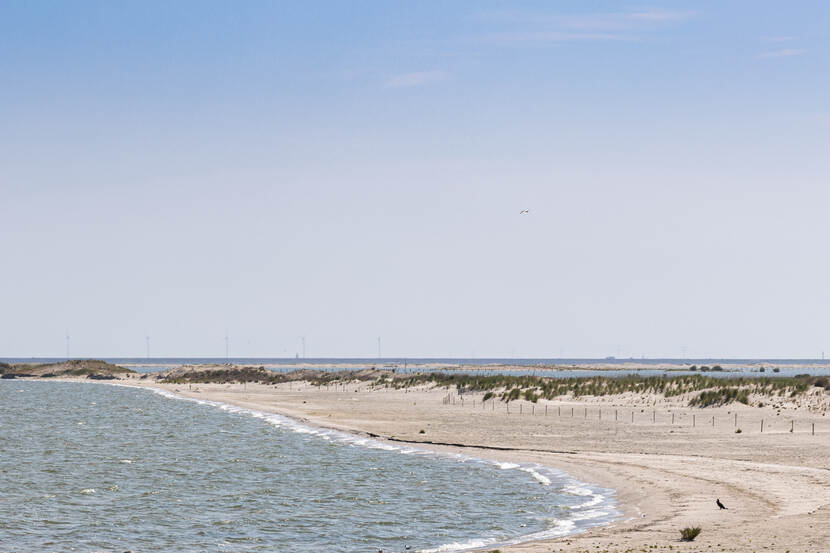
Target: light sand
[(667, 474)]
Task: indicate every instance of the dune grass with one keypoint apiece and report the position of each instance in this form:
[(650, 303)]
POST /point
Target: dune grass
[(689, 533), (704, 391), (701, 390)]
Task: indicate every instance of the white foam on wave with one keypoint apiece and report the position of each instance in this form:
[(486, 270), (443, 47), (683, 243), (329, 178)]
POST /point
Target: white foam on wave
[(590, 514), (459, 546), (541, 478), (542, 474), (596, 498), (576, 490)]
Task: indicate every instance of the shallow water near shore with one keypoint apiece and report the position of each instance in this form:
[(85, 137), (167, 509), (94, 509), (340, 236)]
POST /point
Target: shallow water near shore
[(95, 467)]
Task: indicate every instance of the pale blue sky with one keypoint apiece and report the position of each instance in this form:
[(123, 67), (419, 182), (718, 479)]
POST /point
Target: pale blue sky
[(348, 170)]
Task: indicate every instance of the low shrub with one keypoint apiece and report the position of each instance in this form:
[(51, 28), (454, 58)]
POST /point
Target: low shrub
[(690, 533)]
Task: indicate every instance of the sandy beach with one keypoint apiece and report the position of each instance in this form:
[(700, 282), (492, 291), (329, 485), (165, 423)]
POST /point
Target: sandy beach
[(668, 466)]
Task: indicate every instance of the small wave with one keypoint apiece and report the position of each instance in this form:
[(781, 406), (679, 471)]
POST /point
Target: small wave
[(594, 501), (459, 546), (544, 480), (88, 491), (577, 490), (596, 498), (590, 514)]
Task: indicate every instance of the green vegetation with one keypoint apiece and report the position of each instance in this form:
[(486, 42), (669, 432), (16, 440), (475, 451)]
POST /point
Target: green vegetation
[(700, 390), (91, 368), (720, 396), (689, 534), (704, 391), (705, 368), (531, 395), (226, 376)]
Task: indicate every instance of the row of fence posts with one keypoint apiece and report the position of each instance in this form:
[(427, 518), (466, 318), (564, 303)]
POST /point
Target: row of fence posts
[(449, 399)]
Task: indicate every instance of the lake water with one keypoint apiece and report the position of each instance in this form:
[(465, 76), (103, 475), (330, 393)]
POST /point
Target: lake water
[(95, 467)]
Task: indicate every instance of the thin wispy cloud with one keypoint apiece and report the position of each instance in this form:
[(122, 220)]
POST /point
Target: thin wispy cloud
[(660, 15), (610, 26), (556, 36), (419, 78), (785, 53), (779, 38)]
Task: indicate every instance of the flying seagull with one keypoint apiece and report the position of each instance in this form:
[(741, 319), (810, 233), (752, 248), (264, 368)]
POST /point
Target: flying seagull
[(522, 212), (720, 504)]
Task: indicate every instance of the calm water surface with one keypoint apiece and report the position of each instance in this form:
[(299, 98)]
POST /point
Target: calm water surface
[(93, 467)]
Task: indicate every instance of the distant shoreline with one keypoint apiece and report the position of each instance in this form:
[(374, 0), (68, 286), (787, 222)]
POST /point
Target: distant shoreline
[(410, 365)]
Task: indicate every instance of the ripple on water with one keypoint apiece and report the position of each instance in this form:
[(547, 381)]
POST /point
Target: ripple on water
[(284, 482)]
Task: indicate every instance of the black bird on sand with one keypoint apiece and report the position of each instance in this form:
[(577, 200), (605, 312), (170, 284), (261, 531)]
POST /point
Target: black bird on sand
[(720, 504)]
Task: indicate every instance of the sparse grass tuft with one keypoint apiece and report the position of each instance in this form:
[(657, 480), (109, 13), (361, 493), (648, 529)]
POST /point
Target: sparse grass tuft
[(690, 533)]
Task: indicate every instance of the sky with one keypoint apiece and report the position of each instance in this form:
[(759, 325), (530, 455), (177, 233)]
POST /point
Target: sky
[(343, 171)]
